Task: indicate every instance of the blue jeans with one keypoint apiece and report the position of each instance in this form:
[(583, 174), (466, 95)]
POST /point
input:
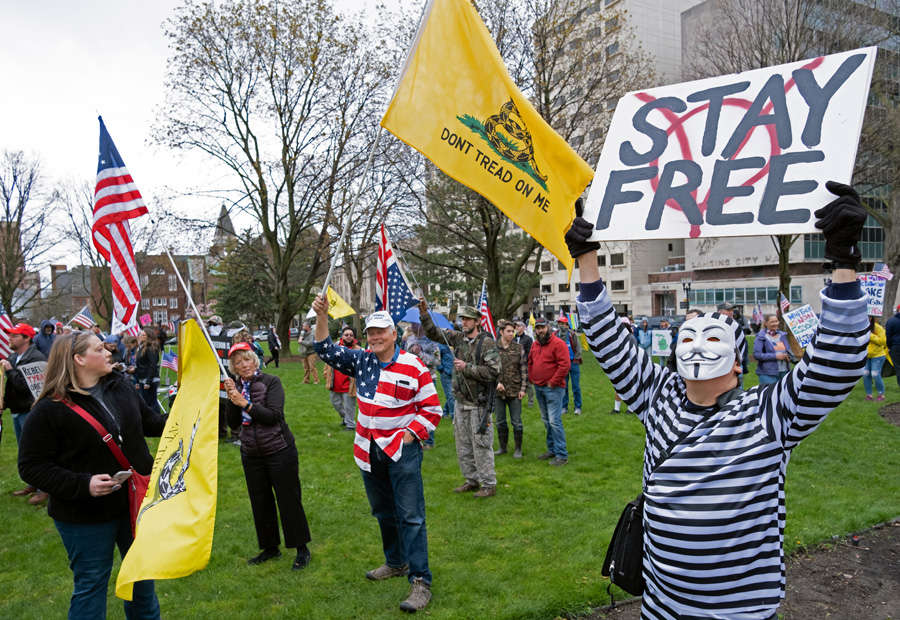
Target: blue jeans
[(769, 379), (873, 370), (397, 497), (90, 550), (549, 401), (19, 424), (575, 376), (449, 402)]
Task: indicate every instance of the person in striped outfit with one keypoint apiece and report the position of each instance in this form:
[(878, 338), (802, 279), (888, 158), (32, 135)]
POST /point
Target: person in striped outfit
[(398, 408), (715, 456)]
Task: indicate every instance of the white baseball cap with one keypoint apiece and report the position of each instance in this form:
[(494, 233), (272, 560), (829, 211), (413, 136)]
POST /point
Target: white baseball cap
[(381, 318)]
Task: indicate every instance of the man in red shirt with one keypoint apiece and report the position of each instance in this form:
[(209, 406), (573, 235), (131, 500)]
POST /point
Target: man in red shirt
[(342, 387), (548, 367)]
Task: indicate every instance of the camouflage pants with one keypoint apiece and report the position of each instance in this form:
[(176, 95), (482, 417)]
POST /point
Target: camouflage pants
[(475, 452)]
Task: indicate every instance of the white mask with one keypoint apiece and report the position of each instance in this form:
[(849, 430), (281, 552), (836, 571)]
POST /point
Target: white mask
[(705, 349)]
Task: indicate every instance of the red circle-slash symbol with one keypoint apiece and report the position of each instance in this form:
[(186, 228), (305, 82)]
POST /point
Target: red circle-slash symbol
[(676, 126)]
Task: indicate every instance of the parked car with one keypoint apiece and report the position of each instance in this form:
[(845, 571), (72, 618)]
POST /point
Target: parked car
[(294, 332), (260, 334)]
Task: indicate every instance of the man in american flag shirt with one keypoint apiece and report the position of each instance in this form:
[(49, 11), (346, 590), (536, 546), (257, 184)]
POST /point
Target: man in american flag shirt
[(398, 407)]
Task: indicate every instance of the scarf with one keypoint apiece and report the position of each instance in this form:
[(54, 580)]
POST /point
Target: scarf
[(245, 392)]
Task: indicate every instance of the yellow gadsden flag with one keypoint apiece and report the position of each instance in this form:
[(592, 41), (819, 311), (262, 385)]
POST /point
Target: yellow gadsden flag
[(337, 307), (458, 106), (175, 525)]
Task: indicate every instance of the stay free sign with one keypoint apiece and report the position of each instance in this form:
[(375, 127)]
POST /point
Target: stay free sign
[(735, 155)]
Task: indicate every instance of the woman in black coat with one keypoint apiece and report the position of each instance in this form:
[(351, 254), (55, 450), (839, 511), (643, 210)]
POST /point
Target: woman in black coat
[(146, 372), (64, 455), (269, 456)]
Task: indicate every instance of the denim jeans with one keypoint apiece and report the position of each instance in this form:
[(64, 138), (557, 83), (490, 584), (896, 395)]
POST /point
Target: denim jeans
[(769, 379), (90, 550), (873, 371), (19, 424), (397, 497), (575, 376), (449, 402), (514, 405), (549, 401)]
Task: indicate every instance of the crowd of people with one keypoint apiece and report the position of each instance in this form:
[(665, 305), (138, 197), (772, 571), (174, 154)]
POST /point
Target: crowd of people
[(695, 501)]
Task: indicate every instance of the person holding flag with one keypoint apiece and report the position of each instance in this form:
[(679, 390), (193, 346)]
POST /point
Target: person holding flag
[(476, 367)]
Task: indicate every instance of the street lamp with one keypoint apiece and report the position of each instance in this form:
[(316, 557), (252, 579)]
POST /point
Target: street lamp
[(686, 287)]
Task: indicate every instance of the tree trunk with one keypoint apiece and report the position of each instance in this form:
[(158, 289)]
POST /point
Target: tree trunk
[(892, 255)]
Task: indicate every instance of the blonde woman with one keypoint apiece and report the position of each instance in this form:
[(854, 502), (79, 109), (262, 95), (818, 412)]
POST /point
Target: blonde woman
[(64, 455)]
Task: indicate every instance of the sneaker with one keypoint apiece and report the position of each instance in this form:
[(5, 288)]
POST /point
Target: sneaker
[(386, 572), (486, 491), (419, 596), (869, 397), (302, 560), (264, 556), (468, 486), (577, 411), (880, 397), (545, 456), (558, 461)]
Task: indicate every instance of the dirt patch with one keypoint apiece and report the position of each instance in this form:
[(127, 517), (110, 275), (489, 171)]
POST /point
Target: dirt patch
[(857, 577), (891, 413)]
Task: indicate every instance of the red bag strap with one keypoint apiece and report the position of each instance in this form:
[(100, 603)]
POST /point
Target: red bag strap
[(104, 434)]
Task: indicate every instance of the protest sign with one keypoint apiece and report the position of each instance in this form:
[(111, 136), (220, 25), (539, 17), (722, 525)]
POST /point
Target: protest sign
[(34, 376), (803, 323), (740, 154), (873, 286), (661, 342), (145, 319)]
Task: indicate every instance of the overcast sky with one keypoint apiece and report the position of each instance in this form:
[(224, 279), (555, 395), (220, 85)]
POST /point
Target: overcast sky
[(65, 62)]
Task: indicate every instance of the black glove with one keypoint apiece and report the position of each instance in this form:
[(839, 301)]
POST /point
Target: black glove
[(577, 237), (841, 222)]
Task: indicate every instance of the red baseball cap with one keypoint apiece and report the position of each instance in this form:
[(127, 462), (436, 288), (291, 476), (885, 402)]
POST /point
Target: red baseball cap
[(23, 329), (562, 319), (240, 346)]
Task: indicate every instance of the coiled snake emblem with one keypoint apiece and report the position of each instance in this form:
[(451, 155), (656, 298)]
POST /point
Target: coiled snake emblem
[(509, 120)]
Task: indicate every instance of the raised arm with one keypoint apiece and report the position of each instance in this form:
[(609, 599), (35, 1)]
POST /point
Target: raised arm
[(334, 355), (432, 331)]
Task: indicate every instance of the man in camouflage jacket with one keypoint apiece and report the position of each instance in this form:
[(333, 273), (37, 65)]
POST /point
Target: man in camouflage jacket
[(474, 379), (510, 388)]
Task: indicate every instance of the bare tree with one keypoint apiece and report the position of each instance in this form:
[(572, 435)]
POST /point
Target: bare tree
[(24, 245), (740, 35), (573, 59)]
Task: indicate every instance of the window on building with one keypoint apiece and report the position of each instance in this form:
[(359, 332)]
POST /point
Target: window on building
[(173, 282), (617, 260), (601, 260), (617, 285), (173, 303), (160, 301), (560, 266), (670, 247), (546, 265), (546, 288), (612, 49), (563, 288), (158, 271), (160, 316), (738, 295), (145, 280), (796, 295), (145, 304), (871, 243)]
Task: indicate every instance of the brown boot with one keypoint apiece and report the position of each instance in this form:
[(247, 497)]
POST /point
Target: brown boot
[(419, 596), (517, 436), (26, 491), (486, 491), (39, 498), (386, 572), (465, 488)]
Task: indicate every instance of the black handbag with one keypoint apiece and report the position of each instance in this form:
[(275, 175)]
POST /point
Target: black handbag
[(625, 555)]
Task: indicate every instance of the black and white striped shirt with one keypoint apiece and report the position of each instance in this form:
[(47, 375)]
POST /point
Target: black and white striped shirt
[(714, 509)]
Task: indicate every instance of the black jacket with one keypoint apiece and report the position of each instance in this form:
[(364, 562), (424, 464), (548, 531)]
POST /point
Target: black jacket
[(59, 451), (267, 432), (146, 368), (18, 397)]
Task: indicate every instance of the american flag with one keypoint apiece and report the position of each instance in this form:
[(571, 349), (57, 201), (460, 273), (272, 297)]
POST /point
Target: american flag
[(785, 304), (6, 324), (83, 318), (487, 321), (882, 271), (392, 291), (170, 327), (117, 200), (170, 361)]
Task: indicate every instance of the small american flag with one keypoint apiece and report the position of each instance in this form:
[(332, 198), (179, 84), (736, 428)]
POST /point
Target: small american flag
[(83, 318), (882, 271), (170, 327), (6, 324), (392, 291), (487, 321), (785, 304), (170, 361), (117, 200)]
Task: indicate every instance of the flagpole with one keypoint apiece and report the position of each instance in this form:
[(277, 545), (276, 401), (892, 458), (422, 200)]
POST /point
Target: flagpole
[(371, 156)]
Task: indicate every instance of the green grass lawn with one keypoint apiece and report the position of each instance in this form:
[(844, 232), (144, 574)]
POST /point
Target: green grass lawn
[(533, 551)]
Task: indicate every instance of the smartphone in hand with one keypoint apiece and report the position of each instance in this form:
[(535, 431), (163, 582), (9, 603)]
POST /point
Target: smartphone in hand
[(122, 476)]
